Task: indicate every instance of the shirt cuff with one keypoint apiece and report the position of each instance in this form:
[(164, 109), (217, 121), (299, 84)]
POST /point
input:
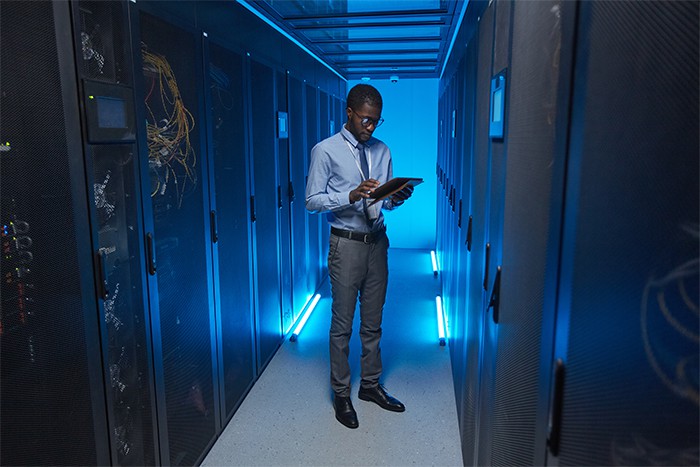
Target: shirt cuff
[(343, 200)]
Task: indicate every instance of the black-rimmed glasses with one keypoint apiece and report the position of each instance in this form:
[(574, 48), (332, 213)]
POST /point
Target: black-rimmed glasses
[(367, 121)]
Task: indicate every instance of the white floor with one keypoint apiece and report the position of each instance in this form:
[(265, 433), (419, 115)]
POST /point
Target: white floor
[(288, 419)]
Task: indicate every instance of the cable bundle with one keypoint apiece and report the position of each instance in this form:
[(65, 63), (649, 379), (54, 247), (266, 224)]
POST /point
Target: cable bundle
[(171, 157)]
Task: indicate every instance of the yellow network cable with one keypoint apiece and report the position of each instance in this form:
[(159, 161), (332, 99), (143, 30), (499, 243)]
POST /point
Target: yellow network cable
[(170, 153)]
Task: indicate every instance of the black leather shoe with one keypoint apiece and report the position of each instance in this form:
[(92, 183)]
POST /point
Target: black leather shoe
[(344, 412), (383, 399)]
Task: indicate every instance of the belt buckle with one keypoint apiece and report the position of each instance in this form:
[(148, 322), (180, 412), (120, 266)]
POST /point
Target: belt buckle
[(367, 238)]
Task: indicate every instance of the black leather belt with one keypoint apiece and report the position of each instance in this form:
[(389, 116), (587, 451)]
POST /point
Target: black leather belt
[(371, 237)]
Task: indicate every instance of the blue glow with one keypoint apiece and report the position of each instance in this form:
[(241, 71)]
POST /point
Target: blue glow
[(440, 319), (306, 302), (454, 36), (434, 260), (281, 31), (410, 131), (305, 317)]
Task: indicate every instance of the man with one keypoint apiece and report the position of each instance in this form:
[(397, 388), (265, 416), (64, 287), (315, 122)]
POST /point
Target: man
[(344, 171)]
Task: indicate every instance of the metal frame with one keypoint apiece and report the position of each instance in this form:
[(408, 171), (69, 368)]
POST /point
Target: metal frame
[(297, 26)]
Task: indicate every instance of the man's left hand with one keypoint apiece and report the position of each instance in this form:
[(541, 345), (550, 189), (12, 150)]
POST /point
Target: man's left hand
[(399, 197)]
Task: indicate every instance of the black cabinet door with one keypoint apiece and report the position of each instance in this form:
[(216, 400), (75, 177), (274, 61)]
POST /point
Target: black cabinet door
[(267, 242), (231, 217), (284, 201), (300, 229), (52, 392), (316, 222), (627, 324), (178, 214), (104, 60)]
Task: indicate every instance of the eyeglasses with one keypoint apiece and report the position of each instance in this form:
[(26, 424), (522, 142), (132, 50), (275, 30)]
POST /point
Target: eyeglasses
[(366, 121)]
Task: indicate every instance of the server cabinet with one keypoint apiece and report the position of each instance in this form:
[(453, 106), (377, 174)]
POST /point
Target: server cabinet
[(284, 200), (315, 222), (266, 182), (520, 234), (463, 271), (536, 124), (106, 85), (231, 233), (50, 371), (495, 201), (177, 220), (627, 323), (453, 320), (480, 246), (324, 116), (303, 287)]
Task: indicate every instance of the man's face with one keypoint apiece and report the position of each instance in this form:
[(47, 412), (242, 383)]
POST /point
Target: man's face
[(371, 113)]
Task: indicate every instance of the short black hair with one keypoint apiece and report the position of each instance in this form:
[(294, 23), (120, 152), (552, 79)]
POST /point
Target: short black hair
[(364, 94)]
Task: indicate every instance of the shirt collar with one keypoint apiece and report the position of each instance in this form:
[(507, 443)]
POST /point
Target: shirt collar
[(351, 138)]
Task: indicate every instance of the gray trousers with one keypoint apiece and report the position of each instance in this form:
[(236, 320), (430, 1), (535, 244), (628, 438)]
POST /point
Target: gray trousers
[(356, 267)]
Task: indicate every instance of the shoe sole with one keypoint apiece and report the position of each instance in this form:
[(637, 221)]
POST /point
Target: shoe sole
[(385, 407), (345, 424)]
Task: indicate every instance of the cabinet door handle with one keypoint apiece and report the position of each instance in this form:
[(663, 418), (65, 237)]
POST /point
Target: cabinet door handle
[(495, 300), (291, 192), (102, 271), (487, 257), (150, 254), (252, 209), (556, 409), (214, 227), (469, 234), (459, 215), (279, 196)]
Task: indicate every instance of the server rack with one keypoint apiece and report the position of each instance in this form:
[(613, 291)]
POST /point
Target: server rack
[(284, 199), (301, 261), (266, 184), (316, 222), (51, 374), (106, 91), (229, 188), (577, 369), (177, 222), (627, 332)]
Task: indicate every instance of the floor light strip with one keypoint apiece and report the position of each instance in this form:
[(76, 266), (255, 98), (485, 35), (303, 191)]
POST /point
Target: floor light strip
[(434, 259), (303, 307), (440, 320), (304, 318)]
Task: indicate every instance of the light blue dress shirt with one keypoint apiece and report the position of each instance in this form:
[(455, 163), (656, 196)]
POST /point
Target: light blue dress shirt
[(335, 171)]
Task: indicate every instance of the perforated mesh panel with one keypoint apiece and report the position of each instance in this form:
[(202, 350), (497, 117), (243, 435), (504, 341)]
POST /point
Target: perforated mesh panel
[(46, 408), (631, 389), (533, 81), (300, 242), (175, 171), (316, 221), (231, 173), (103, 47), (264, 124), (478, 192)]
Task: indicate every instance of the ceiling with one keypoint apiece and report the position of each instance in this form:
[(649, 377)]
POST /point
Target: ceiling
[(378, 39)]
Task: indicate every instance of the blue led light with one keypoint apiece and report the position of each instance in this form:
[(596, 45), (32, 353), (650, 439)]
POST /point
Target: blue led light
[(291, 325), (304, 318), (434, 260), (440, 319)]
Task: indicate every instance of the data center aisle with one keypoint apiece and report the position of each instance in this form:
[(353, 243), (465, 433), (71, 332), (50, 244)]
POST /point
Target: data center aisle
[(288, 419)]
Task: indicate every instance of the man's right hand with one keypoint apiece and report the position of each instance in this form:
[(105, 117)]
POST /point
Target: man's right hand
[(363, 190)]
